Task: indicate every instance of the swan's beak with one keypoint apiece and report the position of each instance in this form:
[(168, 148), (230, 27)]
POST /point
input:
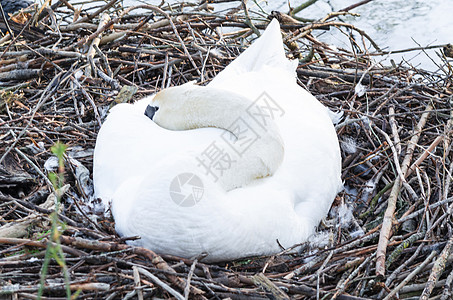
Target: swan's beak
[(150, 111)]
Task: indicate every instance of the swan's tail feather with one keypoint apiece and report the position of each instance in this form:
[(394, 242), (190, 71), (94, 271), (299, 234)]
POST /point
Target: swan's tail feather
[(267, 50)]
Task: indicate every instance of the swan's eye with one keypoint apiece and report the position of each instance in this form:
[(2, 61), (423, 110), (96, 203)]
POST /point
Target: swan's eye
[(150, 111)]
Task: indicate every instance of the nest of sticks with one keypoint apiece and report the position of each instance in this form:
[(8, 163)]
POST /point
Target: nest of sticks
[(389, 234)]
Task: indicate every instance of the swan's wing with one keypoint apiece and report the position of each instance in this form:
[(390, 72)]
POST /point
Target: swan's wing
[(267, 50)]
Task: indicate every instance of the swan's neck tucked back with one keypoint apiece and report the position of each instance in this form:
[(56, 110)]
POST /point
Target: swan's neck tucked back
[(256, 147)]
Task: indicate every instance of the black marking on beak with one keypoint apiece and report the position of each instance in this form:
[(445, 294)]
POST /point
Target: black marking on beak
[(150, 111)]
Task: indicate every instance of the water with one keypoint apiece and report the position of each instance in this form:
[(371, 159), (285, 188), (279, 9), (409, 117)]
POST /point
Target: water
[(393, 24), (397, 24)]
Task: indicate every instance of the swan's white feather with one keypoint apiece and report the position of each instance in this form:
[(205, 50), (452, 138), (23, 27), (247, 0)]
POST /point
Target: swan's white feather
[(266, 51), (135, 161)]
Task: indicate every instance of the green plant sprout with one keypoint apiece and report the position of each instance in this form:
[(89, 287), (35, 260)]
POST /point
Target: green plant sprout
[(54, 249)]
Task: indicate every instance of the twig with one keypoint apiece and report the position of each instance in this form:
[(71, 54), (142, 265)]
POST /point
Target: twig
[(161, 283), (355, 5), (268, 286), (437, 270), (386, 228), (47, 93), (189, 277), (137, 282), (248, 21), (46, 179), (446, 294), (411, 275), (345, 284), (301, 7)]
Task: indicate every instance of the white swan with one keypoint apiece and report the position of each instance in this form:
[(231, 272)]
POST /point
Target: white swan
[(238, 168)]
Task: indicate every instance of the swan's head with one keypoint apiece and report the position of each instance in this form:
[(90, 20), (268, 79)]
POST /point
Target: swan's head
[(176, 108), (190, 106)]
